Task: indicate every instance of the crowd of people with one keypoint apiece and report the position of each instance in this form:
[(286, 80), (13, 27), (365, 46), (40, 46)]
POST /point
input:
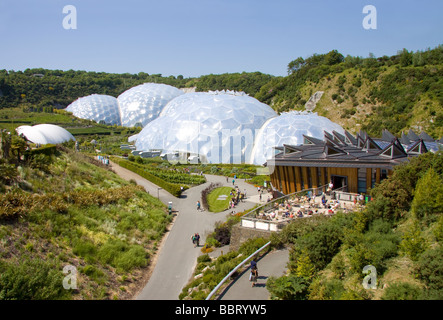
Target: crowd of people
[(304, 206)]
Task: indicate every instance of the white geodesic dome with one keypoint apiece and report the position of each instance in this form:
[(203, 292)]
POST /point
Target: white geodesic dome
[(45, 133), (143, 103), (219, 126), (97, 107), (289, 128)]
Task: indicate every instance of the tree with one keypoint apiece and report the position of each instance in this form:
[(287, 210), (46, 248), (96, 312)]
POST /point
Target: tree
[(304, 269), (333, 57), (413, 244), (296, 65), (405, 58), (428, 196)]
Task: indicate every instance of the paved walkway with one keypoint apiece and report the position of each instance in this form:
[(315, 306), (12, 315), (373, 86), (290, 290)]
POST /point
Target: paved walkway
[(272, 264), (178, 257)]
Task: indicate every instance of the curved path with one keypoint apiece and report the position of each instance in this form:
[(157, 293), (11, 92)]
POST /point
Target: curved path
[(177, 256), (271, 264)]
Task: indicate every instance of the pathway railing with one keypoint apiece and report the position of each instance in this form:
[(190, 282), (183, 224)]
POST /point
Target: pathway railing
[(235, 269)]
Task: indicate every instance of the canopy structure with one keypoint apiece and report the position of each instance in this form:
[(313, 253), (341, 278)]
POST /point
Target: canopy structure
[(45, 133)]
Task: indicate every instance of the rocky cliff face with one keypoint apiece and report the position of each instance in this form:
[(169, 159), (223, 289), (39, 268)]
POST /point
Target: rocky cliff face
[(313, 100)]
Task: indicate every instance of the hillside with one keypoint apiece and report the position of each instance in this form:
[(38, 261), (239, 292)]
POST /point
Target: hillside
[(61, 208), (398, 93)]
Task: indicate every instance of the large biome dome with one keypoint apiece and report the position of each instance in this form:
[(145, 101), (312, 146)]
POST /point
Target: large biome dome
[(97, 107), (143, 103), (289, 128), (218, 126)]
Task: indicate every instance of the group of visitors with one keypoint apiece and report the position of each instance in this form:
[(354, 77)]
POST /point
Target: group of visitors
[(195, 239), (236, 197)]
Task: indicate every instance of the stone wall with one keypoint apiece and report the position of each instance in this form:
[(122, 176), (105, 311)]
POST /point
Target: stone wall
[(240, 234)]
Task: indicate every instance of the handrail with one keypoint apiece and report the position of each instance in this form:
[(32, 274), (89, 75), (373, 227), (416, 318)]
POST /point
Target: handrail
[(233, 270)]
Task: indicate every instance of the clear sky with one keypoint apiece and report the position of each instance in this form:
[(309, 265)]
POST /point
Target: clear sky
[(198, 37)]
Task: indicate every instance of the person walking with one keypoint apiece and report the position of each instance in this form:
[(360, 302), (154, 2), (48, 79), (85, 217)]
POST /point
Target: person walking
[(198, 205), (197, 240), (254, 272), (194, 238)]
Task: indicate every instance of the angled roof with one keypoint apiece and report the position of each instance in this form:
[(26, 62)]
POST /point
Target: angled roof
[(337, 150)]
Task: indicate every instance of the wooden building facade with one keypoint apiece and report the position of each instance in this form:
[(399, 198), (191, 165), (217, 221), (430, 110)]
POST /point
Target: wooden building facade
[(354, 164)]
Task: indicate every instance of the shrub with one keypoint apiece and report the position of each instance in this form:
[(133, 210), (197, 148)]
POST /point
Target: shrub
[(429, 268), (287, 288), (31, 279), (413, 244), (428, 195), (222, 234), (323, 289), (401, 291)]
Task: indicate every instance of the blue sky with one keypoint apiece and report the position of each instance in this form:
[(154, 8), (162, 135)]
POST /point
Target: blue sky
[(198, 37)]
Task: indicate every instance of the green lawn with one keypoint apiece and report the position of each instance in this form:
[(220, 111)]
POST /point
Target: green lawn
[(219, 205)]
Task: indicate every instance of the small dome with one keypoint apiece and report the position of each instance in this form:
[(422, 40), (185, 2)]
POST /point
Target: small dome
[(45, 134)]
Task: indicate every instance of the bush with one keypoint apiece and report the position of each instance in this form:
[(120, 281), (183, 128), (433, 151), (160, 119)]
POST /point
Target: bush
[(287, 288), (413, 244), (429, 268), (322, 289), (428, 196), (31, 279), (222, 234), (401, 291)]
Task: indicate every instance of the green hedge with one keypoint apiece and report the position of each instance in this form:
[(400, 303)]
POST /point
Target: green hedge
[(173, 189)]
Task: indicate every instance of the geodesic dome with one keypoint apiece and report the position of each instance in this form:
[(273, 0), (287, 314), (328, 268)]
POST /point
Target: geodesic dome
[(289, 128), (219, 126), (97, 107), (45, 133), (143, 103)]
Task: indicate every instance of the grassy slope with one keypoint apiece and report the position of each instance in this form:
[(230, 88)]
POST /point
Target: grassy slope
[(110, 244)]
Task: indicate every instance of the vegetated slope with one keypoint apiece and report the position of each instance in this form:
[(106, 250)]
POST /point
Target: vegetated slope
[(396, 93), (63, 210), (399, 234)]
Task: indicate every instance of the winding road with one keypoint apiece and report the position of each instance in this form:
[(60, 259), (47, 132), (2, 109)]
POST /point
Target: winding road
[(177, 256)]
